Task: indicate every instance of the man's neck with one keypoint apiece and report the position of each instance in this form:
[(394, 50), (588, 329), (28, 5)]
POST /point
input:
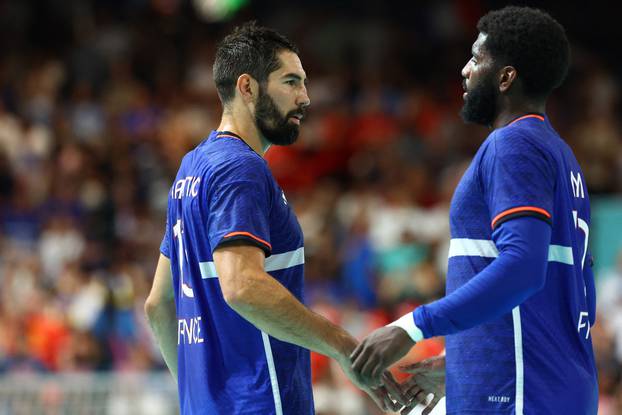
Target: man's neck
[(512, 112), (245, 127)]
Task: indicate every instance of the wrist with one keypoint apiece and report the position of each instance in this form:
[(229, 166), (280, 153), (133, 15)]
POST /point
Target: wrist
[(344, 346), (407, 323)]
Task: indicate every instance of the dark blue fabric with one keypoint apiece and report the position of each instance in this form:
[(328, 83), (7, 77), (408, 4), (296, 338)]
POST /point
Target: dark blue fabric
[(224, 191), (524, 167), (518, 272)]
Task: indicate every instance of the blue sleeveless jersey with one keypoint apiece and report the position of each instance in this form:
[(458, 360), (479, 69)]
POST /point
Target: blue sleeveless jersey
[(224, 191), (538, 359)]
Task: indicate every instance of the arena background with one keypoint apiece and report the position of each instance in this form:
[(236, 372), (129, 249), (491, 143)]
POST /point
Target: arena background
[(99, 100)]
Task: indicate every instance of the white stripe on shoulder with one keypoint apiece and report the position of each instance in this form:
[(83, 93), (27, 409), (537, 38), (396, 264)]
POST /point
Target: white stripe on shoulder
[(274, 262)]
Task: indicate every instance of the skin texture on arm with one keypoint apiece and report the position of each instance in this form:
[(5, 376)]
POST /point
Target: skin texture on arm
[(161, 313), (269, 306)]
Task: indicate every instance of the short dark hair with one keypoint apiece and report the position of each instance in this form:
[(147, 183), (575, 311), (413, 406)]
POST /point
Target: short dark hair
[(531, 41), (250, 49)]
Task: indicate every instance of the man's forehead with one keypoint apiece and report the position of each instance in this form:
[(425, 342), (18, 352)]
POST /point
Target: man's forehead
[(478, 45), (290, 64)]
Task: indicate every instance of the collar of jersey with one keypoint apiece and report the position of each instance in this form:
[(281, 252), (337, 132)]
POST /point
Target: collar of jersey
[(220, 134), (229, 134), (535, 115)]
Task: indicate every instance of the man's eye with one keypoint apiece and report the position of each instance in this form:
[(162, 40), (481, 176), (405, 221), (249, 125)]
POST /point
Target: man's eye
[(291, 82)]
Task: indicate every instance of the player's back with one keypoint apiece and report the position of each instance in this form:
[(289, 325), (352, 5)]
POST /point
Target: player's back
[(537, 359), (225, 192)]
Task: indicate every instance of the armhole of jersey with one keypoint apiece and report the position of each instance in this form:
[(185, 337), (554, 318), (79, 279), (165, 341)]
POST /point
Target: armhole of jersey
[(248, 238), (519, 212)]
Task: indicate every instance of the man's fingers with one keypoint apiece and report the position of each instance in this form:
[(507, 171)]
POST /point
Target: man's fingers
[(359, 362), (408, 409), (368, 369), (354, 356), (389, 403), (422, 396), (410, 382), (425, 383), (415, 368), (377, 398), (418, 394), (377, 374), (382, 394), (394, 388)]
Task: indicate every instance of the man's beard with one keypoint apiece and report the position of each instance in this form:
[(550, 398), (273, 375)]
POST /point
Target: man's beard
[(480, 105), (274, 126)]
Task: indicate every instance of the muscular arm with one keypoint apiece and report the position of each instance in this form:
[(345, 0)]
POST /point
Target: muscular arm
[(268, 305), (160, 310)]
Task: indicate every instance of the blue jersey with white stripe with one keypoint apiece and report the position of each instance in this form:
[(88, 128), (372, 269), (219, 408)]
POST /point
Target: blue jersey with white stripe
[(538, 359), (223, 192)]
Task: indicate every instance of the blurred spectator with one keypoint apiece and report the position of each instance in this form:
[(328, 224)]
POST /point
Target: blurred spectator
[(610, 303), (60, 243), (100, 101)]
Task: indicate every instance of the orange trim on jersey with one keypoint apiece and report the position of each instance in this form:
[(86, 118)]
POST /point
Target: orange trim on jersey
[(249, 235), (227, 136), (540, 117), (520, 209)]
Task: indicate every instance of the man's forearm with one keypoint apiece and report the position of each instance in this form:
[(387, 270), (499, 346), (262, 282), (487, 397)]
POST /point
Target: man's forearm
[(273, 309), (518, 273), (163, 323)]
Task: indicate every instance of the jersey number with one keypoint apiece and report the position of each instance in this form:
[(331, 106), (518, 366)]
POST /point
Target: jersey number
[(182, 257), (584, 321), (582, 225)]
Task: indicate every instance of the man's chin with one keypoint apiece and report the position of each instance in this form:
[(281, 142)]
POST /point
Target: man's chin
[(283, 139), (470, 116), (287, 141)]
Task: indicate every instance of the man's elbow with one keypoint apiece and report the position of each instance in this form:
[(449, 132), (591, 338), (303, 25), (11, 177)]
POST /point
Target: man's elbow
[(236, 296), (237, 292), (151, 308), (154, 307)]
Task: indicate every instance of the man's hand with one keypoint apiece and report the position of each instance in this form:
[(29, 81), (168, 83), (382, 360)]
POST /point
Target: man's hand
[(384, 395), (388, 397), (377, 352), (428, 378)]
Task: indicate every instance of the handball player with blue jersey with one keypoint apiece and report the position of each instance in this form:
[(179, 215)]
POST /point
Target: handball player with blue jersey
[(520, 298), (226, 305)]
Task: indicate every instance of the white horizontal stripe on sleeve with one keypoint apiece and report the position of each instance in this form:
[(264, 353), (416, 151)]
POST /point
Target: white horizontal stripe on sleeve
[(486, 249), (274, 262)]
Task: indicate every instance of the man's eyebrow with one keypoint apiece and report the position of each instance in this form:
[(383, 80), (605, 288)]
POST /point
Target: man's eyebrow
[(295, 76)]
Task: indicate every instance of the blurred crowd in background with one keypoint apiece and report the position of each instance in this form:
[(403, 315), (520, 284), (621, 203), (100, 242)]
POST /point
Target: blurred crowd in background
[(99, 100)]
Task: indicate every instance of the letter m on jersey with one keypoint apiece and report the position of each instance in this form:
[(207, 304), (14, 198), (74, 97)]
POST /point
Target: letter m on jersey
[(577, 185)]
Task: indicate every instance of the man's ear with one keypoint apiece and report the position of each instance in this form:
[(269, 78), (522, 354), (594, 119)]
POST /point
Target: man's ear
[(507, 77), (247, 87)]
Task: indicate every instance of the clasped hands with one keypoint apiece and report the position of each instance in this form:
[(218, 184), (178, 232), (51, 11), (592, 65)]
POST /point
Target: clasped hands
[(381, 349)]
